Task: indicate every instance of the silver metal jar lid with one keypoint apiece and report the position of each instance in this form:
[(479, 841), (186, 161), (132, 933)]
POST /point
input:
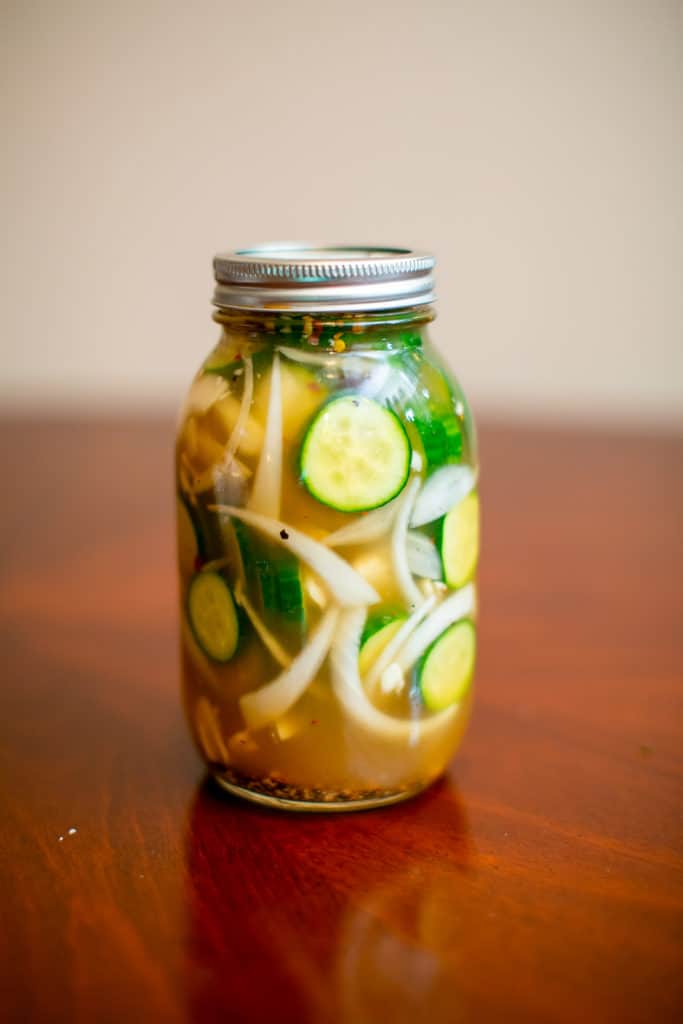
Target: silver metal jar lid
[(304, 277)]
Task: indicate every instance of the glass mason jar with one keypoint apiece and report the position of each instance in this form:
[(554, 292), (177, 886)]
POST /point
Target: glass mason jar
[(328, 532)]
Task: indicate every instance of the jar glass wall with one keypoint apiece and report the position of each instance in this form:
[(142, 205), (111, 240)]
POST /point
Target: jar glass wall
[(327, 544)]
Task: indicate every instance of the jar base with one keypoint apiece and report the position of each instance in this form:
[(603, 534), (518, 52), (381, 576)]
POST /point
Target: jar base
[(330, 803)]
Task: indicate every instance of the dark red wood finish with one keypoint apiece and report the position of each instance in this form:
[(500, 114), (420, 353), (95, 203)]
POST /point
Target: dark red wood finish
[(541, 881)]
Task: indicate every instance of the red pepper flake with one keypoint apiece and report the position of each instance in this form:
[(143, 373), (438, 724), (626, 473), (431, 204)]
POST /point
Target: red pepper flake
[(238, 356), (314, 721), (313, 385), (284, 534)]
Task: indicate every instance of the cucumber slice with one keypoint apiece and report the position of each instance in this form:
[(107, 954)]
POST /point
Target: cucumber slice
[(375, 640), (188, 539), (441, 438), (447, 668), (276, 574), (212, 615), (290, 595), (356, 455), (420, 393), (378, 620), (460, 541)]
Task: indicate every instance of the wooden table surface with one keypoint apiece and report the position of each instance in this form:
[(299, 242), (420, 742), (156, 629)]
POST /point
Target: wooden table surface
[(542, 880)]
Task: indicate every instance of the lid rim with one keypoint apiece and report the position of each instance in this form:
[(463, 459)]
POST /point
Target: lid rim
[(323, 276)]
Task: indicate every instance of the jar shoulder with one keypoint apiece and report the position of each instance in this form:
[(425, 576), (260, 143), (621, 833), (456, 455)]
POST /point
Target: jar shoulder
[(406, 374)]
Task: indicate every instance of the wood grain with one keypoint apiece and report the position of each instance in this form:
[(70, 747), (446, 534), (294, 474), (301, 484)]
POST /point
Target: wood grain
[(542, 880)]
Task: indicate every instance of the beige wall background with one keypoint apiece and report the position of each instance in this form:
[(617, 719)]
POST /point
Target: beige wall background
[(536, 147)]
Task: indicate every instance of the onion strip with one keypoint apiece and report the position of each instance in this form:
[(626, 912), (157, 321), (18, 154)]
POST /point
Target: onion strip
[(365, 528), (349, 690), (423, 558), (457, 606), (266, 492), (245, 406), (397, 641), (269, 702), (325, 356), (345, 584), (442, 490), (409, 588), (209, 732), (204, 392)]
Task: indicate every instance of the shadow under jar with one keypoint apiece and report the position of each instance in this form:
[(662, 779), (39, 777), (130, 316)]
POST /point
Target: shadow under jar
[(328, 532)]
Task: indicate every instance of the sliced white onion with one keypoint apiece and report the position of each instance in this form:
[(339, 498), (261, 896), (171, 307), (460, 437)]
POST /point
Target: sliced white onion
[(350, 693), (265, 494), (199, 660), (442, 490), (304, 356), (325, 356), (458, 606), (346, 585), (185, 473), (393, 680), (398, 388), (388, 655), (368, 527), (269, 702), (316, 593), (409, 588), (423, 557), (374, 385), (229, 481), (245, 406), (270, 641), (204, 392), (209, 732), (436, 587)]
